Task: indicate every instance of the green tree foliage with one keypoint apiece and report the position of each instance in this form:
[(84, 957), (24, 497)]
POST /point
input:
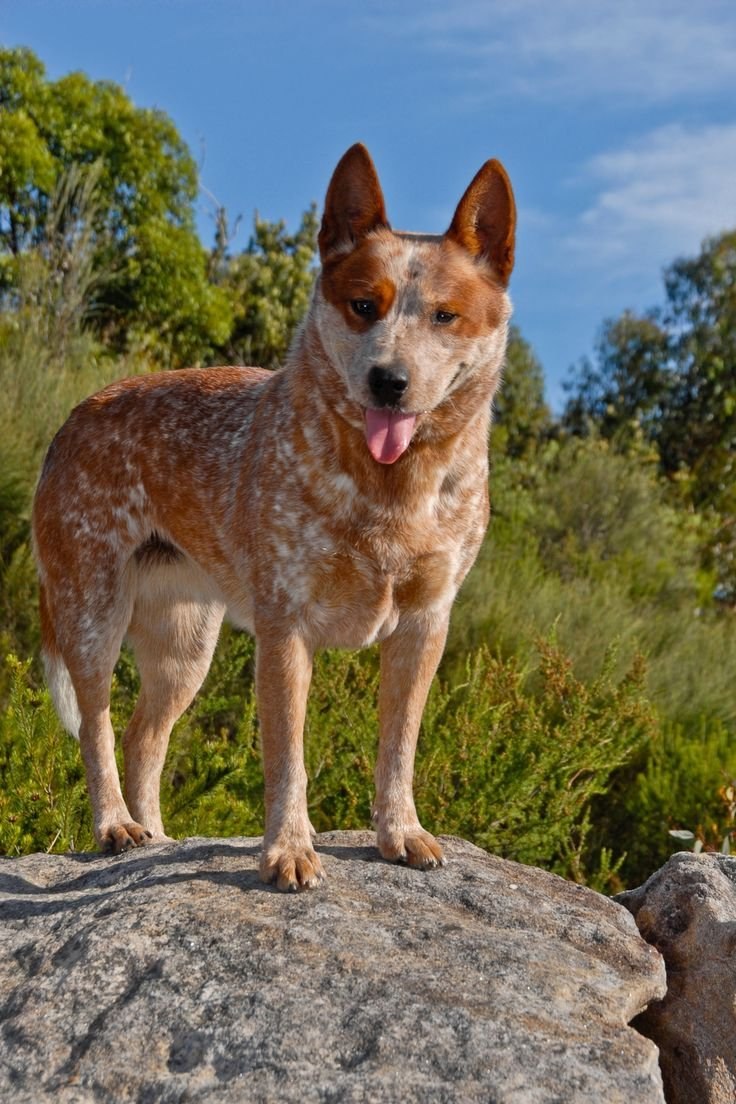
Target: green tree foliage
[(270, 283), (143, 226), (700, 430), (670, 377), (521, 416), (627, 388), (672, 371), (49, 360)]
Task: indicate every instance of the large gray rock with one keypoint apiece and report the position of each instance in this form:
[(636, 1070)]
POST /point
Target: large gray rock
[(172, 974), (688, 911)]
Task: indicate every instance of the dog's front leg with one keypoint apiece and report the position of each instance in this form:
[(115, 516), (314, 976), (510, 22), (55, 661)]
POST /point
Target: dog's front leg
[(283, 673), (409, 659)]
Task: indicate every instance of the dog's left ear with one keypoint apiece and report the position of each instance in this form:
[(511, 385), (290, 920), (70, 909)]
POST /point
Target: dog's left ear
[(354, 205), (485, 220)]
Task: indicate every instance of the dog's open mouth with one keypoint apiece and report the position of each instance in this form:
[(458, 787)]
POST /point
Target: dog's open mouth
[(388, 433)]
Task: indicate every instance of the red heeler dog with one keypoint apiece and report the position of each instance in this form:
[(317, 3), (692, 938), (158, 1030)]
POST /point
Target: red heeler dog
[(339, 501)]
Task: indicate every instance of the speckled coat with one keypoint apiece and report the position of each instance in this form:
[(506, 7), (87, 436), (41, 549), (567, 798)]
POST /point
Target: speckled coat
[(337, 502)]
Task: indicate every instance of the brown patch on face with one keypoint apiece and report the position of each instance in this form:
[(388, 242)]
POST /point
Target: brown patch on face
[(360, 274), (459, 285)]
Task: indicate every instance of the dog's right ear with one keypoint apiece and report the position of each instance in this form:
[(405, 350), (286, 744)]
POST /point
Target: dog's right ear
[(354, 205)]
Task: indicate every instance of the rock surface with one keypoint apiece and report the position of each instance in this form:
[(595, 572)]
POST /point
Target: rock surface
[(171, 973), (688, 911)]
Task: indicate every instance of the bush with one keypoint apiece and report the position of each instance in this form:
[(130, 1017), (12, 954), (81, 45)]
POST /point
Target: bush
[(514, 772), (681, 781), (43, 798), (585, 541)]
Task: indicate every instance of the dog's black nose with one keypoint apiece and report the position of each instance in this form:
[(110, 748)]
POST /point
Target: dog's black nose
[(387, 384)]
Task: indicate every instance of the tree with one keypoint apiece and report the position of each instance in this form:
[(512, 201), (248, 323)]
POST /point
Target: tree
[(673, 373), (520, 412), (145, 186), (627, 388), (671, 377), (270, 283), (700, 430)]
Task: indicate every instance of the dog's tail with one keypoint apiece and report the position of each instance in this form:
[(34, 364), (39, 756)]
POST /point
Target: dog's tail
[(57, 673)]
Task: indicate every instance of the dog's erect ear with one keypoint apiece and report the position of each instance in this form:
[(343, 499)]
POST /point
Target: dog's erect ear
[(485, 219), (354, 205)]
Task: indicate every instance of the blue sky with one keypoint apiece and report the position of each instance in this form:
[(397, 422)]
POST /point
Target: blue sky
[(615, 120)]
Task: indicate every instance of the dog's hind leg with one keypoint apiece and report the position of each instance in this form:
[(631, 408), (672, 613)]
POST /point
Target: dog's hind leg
[(83, 627), (173, 638)]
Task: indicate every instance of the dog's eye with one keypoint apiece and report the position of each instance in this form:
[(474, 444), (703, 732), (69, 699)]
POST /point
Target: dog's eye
[(443, 318), (364, 308)]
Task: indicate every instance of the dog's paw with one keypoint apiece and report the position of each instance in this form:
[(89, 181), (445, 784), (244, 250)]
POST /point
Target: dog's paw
[(123, 837), (291, 867), (413, 846)]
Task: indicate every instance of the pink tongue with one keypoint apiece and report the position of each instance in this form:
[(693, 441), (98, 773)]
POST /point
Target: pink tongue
[(388, 433)]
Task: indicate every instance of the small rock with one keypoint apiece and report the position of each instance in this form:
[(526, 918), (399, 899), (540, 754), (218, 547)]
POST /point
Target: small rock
[(687, 910)]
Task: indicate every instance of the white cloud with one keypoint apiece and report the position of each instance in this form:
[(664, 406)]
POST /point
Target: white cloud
[(658, 198), (640, 49)]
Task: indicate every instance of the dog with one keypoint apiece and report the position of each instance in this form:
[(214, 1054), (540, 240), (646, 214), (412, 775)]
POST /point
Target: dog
[(339, 501)]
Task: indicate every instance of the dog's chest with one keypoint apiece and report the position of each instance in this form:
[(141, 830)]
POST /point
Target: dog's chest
[(347, 569)]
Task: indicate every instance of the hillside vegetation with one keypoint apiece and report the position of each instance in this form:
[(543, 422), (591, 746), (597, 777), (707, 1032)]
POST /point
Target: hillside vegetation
[(585, 705)]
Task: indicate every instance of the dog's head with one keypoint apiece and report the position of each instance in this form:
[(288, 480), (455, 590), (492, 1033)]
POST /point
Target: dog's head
[(408, 320)]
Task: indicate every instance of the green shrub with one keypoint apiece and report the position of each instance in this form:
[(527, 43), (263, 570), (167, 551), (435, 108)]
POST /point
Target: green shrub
[(18, 614), (43, 798), (516, 771), (586, 542), (681, 781), (512, 770), (213, 780)]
